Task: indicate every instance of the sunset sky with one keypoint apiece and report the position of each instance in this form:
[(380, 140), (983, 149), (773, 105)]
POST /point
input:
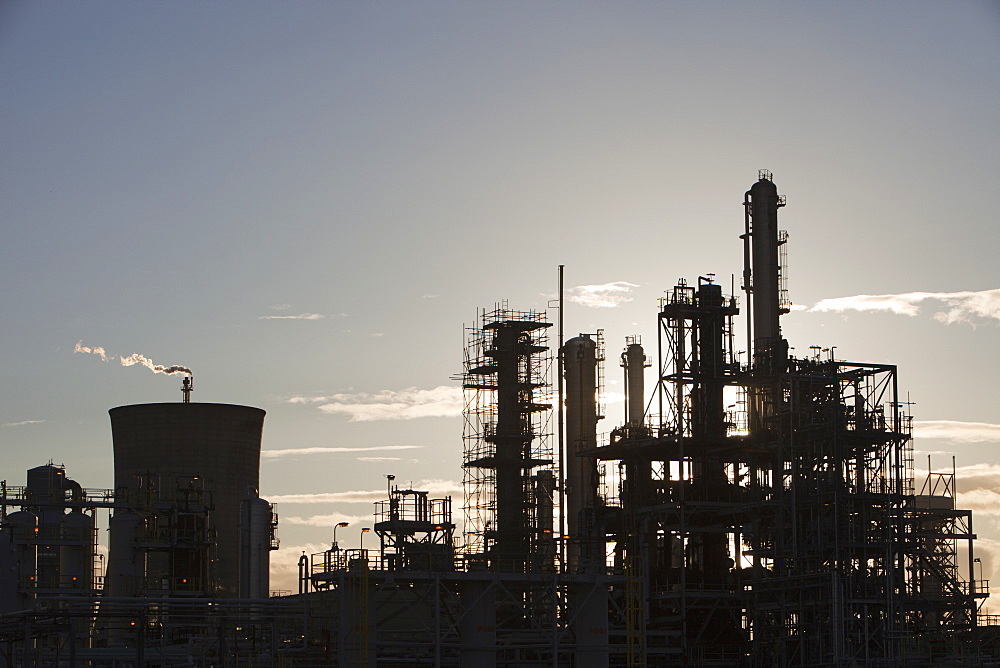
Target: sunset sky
[(305, 202)]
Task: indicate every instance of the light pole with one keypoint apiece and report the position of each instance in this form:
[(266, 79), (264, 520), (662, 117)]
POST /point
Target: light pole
[(364, 530), (339, 524)]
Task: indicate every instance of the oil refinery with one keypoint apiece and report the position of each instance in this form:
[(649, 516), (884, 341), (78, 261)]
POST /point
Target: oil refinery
[(756, 509)]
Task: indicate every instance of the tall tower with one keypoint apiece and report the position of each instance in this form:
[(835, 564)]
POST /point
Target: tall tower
[(506, 365), (764, 282)]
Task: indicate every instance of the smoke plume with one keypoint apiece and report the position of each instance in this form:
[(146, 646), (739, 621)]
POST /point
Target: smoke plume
[(134, 358)]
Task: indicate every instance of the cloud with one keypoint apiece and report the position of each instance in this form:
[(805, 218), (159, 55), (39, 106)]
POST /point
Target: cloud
[(22, 422), (408, 404), (957, 432), (281, 307), (377, 460), (964, 307), (330, 519), (301, 316), (436, 487), (378, 334), (364, 496), (290, 452), (429, 296), (285, 564), (607, 295)]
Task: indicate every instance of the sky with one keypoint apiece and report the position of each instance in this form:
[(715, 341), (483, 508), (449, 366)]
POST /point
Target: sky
[(306, 203)]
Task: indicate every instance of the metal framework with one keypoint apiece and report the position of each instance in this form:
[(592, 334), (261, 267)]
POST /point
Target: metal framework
[(509, 480)]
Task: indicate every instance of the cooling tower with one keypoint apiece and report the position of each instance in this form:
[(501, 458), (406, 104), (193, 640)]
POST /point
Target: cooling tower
[(219, 443)]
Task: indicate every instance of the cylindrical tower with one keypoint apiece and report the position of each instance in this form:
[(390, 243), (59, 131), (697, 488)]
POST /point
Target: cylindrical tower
[(219, 443), (76, 554), (762, 208), (634, 362), (256, 538), (22, 529), (580, 363)]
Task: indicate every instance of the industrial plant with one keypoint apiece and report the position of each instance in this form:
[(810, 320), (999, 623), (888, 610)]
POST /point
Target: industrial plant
[(756, 509)]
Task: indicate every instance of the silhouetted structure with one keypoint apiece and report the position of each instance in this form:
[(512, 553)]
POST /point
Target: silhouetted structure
[(758, 511)]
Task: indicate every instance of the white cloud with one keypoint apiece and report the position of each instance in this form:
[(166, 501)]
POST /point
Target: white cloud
[(613, 398), (408, 404), (957, 432), (429, 296), (291, 452), (22, 422), (332, 518), (607, 295), (436, 487), (301, 316), (285, 564), (967, 307), (281, 307), (364, 496), (980, 501), (378, 460), (378, 334)]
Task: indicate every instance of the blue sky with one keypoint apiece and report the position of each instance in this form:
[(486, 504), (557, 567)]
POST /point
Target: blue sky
[(176, 175)]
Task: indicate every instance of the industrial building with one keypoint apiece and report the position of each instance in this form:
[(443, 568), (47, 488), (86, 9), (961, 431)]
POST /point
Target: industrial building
[(752, 511)]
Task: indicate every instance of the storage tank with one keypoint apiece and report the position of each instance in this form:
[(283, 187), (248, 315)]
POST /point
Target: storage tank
[(76, 552), (22, 529), (218, 442), (126, 565), (255, 545)]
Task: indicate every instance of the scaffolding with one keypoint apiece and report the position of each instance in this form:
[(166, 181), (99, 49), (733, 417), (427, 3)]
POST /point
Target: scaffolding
[(508, 476)]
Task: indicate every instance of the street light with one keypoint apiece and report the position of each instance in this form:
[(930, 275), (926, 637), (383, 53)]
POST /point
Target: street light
[(339, 524), (364, 530)]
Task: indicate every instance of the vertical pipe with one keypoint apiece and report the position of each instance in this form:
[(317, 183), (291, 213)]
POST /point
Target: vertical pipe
[(560, 419)]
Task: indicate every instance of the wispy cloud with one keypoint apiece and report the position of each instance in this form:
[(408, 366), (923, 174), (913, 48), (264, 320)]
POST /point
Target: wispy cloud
[(366, 496), (436, 487), (292, 452), (957, 432), (429, 296), (408, 404), (281, 307), (301, 316), (964, 307), (130, 360), (22, 422), (606, 295), (285, 563), (379, 460), (378, 334)]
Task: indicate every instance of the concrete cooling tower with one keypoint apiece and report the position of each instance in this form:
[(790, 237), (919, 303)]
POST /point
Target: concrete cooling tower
[(170, 460)]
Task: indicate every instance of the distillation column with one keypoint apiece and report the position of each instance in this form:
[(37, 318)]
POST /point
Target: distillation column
[(504, 367), (762, 281), (580, 359), (634, 362)]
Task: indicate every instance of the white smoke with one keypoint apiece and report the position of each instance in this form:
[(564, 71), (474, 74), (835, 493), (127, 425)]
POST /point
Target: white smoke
[(80, 348), (134, 358)]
